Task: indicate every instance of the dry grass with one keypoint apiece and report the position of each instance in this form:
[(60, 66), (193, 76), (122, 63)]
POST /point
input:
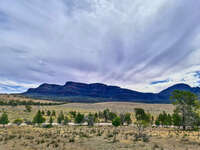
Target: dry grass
[(96, 138), (120, 107)]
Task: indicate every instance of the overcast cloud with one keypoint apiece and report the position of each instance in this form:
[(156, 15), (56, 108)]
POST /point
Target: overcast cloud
[(139, 44)]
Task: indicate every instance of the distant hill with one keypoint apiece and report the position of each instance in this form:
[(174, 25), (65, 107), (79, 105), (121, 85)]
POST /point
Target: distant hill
[(98, 92)]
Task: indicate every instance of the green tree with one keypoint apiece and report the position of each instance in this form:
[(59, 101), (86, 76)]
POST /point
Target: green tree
[(125, 118), (4, 119), (38, 118), (66, 120), (169, 120), (106, 113), (187, 104), (60, 117), (79, 118), (164, 119), (116, 121), (90, 118), (176, 119), (73, 114), (50, 120), (142, 120), (100, 115), (112, 116), (53, 113), (128, 118), (157, 122)]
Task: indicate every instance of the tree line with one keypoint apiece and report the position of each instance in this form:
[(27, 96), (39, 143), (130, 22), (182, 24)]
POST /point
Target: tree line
[(18, 102), (186, 115)]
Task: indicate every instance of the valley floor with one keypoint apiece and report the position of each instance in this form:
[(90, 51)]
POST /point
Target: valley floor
[(95, 138), (92, 138), (118, 107)]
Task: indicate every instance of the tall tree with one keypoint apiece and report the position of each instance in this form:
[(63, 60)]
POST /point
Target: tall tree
[(106, 113), (186, 104), (142, 120)]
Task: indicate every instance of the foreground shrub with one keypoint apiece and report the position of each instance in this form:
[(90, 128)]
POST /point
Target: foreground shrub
[(116, 122), (18, 121), (4, 119)]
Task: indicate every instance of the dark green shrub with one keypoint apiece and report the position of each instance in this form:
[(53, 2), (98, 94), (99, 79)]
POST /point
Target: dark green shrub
[(18, 121), (79, 118), (116, 122)]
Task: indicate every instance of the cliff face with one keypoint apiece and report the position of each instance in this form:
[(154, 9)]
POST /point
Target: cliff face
[(109, 93)]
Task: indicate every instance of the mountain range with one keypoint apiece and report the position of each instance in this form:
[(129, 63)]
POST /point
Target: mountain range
[(98, 92)]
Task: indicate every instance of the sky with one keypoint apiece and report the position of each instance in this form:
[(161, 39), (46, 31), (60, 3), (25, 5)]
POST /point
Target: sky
[(143, 45)]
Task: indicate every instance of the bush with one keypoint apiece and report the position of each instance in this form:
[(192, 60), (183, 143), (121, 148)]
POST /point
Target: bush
[(18, 121), (112, 116), (4, 119), (116, 122), (90, 119), (72, 114), (38, 118), (28, 108)]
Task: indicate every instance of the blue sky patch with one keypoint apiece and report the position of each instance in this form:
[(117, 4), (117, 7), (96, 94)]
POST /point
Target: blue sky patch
[(158, 82)]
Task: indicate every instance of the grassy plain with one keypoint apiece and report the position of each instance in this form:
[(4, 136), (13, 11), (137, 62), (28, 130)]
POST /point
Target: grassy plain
[(118, 107)]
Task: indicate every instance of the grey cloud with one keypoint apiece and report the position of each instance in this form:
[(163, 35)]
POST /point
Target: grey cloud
[(111, 41)]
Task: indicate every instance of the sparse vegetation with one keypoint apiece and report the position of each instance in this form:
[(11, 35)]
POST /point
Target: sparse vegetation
[(110, 126)]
